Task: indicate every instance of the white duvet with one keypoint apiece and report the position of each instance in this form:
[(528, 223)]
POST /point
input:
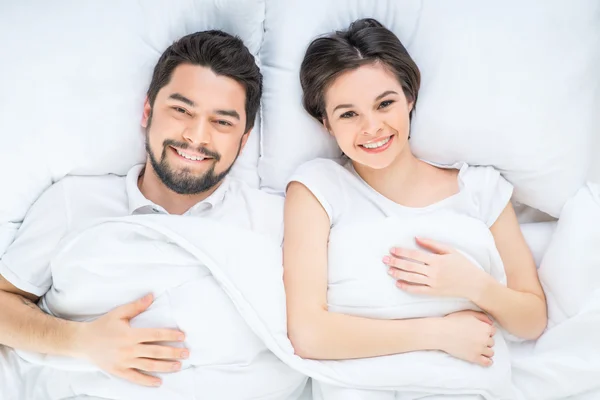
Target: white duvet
[(359, 285), (563, 364), (223, 287), (219, 284)]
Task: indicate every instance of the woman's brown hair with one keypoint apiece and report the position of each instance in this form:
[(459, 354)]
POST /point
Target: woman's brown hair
[(365, 41)]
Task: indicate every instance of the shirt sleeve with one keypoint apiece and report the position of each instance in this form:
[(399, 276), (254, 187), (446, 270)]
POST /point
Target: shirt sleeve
[(320, 178), (26, 262), (493, 194)]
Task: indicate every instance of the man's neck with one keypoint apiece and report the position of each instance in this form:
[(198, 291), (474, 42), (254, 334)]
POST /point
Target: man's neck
[(155, 190)]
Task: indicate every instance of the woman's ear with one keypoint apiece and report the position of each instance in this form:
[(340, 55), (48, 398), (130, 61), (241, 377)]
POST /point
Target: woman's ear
[(327, 126), (410, 109)]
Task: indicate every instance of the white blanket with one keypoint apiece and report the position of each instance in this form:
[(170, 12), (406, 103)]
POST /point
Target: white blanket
[(219, 284), (359, 285), (563, 364), (565, 361), (223, 287)]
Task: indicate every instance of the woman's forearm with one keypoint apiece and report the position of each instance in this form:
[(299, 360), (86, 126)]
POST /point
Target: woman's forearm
[(522, 314), (333, 336)]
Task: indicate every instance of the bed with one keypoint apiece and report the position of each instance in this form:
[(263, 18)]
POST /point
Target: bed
[(511, 84)]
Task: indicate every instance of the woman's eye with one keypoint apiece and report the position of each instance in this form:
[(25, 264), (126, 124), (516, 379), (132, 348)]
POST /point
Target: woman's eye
[(386, 103), (348, 114)]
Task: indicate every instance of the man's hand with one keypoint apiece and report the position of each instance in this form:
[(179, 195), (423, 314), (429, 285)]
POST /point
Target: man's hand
[(113, 345)]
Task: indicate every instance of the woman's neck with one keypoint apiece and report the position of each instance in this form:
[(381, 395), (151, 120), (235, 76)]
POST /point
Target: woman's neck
[(396, 180)]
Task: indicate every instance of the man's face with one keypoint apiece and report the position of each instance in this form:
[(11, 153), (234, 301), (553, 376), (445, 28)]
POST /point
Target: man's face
[(195, 129)]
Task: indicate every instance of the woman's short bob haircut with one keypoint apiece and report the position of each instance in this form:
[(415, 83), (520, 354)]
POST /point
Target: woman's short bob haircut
[(365, 41)]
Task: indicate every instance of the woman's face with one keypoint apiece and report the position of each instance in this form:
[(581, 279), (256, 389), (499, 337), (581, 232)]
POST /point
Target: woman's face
[(368, 115)]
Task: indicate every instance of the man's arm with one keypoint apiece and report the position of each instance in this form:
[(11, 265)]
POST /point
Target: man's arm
[(108, 342), (26, 327)]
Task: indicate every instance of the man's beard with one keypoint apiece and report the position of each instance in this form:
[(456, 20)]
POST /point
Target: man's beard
[(184, 181)]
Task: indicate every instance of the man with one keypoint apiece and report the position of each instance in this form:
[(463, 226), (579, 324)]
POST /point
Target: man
[(200, 108)]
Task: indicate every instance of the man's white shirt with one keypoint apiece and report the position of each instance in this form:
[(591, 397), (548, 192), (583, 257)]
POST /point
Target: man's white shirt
[(73, 202)]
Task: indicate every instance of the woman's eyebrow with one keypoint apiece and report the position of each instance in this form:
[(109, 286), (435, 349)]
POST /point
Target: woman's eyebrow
[(382, 95)]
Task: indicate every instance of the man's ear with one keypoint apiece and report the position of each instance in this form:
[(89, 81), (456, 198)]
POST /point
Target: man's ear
[(146, 114), (245, 137)]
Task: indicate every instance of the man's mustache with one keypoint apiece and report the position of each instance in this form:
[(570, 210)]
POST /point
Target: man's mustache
[(184, 146)]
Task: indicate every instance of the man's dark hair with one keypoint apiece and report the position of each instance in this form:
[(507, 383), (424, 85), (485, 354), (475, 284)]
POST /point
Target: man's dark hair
[(223, 53)]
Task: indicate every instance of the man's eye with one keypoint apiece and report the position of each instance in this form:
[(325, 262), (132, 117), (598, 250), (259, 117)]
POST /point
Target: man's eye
[(224, 123), (180, 110), (386, 103), (348, 114)]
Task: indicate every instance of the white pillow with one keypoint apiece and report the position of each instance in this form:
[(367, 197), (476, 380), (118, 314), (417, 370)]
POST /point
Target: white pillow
[(594, 175), (516, 86), (570, 270), (511, 84), (74, 78), (8, 232), (538, 236)]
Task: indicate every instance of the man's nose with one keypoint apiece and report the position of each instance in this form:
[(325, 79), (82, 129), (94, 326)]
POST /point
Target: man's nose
[(198, 134)]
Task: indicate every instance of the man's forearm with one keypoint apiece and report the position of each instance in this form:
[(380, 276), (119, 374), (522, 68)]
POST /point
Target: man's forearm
[(24, 326)]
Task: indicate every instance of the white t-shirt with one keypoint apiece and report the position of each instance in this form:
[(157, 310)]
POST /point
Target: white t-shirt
[(364, 225), (74, 202), (347, 198)]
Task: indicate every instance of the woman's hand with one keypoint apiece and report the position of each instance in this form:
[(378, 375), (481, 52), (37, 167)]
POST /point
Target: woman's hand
[(444, 272), (468, 335)]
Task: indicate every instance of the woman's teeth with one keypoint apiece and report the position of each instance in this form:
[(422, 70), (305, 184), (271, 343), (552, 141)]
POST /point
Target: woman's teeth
[(187, 156), (376, 144)]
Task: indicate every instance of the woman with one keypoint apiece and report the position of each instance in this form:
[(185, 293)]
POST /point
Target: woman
[(362, 85)]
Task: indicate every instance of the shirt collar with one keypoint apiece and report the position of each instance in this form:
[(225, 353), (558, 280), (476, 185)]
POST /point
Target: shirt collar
[(139, 204)]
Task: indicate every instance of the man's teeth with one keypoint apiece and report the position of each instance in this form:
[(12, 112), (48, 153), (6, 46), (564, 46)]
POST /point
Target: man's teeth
[(376, 144), (192, 158)]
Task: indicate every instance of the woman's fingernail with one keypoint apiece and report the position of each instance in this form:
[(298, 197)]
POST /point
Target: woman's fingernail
[(181, 337), (390, 272), (185, 354), (386, 259), (176, 367)]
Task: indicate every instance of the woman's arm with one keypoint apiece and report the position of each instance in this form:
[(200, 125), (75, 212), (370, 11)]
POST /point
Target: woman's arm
[(520, 307), (319, 334)]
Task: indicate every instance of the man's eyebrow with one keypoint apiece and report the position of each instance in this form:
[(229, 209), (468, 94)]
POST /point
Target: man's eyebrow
[(382, 95), (183, 99), (228, 113)]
